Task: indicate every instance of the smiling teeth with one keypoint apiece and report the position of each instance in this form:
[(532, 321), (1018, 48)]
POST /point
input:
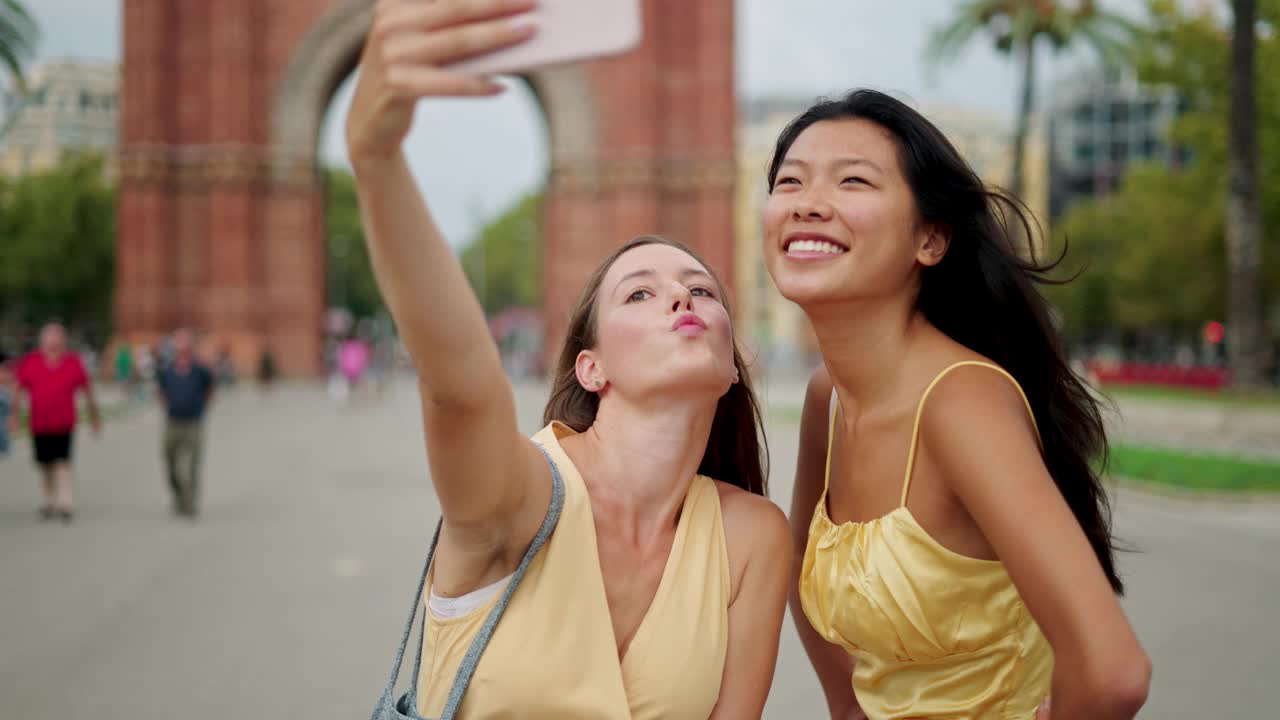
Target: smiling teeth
[(815, 246)]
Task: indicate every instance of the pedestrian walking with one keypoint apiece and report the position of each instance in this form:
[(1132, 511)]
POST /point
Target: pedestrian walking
[(186, 388), (50, 377)]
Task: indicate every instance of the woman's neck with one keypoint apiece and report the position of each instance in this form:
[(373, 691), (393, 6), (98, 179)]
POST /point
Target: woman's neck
[(639, 461), (865, 345)]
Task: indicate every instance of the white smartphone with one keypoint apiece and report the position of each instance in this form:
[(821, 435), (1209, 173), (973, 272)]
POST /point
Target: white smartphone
[(568, 31)]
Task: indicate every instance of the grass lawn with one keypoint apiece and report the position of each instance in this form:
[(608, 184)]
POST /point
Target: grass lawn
[(1194, 471), (1229, 398)]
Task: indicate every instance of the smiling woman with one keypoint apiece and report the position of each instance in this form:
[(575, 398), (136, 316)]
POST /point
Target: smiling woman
[(958, 558)]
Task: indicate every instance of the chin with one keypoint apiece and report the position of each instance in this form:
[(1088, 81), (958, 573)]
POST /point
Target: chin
[(696, 377), (805, 291)]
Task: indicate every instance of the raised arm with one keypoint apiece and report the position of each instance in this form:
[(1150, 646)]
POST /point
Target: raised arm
[(493, 484), (833, 665)]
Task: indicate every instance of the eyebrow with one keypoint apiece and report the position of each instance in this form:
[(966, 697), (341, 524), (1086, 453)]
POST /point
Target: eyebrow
[(650, 272), (839, 162)]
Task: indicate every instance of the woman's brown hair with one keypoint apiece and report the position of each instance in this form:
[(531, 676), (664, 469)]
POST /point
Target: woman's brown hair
[(737, 452)]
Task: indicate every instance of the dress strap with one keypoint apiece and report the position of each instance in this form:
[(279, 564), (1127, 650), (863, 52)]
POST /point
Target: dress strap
[(915, 430)]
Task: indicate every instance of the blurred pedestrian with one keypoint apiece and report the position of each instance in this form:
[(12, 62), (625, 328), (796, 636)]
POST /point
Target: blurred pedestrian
[(353, 359), (186, 387), (8, 418), (266, 369), (50, 377)]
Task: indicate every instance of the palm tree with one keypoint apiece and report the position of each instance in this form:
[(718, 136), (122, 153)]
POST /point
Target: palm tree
[(1017, 27), (18, 36), (1244, 219)]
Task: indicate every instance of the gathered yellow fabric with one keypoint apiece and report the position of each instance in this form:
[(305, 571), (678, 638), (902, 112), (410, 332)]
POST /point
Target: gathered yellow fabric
[(554, 654), (936, 634)]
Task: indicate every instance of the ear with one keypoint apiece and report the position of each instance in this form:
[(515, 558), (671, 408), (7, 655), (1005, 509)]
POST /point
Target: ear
[(936, 241), (589, 371)]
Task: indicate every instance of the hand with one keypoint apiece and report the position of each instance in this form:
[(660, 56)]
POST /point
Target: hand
[(408, 43), (1043, 713)]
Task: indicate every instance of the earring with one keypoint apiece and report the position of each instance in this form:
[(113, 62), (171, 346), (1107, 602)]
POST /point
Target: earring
[(599, 384)]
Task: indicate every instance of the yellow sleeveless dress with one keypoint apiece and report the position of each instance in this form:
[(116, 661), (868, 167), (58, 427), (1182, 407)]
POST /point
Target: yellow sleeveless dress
[(554, 655), (935, 634)]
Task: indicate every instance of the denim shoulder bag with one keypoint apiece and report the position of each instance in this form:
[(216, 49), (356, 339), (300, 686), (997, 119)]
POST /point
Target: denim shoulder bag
[(406, 708)]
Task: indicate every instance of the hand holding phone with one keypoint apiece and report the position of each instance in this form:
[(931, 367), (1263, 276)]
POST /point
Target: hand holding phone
[(411, 44), (568, 31)]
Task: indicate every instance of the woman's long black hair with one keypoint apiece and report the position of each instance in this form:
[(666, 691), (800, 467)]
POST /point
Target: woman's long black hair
[(983, 294)]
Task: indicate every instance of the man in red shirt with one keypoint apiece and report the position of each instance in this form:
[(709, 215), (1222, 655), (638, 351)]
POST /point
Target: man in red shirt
[(51, 376)]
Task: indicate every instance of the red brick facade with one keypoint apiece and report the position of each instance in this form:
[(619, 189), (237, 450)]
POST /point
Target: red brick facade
[(221, 208)]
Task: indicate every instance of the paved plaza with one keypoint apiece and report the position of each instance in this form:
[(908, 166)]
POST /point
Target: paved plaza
[(285, 599)]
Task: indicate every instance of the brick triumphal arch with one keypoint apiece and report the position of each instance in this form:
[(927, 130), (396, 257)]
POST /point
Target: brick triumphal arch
[(221, 220)]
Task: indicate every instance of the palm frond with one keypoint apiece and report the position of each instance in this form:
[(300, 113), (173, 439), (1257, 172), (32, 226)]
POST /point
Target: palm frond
[(948, 41), (19, 35)]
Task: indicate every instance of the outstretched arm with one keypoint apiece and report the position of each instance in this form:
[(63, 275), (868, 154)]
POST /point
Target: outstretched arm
[(492, 483)]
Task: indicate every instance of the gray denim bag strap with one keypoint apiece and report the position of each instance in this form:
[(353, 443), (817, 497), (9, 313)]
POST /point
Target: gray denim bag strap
[(406, 708)]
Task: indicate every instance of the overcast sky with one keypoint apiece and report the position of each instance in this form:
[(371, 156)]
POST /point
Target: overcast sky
[(476, 157)]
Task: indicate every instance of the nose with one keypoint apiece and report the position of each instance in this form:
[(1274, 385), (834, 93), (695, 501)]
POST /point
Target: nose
[(812, 206), (681, 298)]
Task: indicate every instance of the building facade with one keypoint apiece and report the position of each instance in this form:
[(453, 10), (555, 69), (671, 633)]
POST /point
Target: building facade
[(1099, 123), (69, 107)]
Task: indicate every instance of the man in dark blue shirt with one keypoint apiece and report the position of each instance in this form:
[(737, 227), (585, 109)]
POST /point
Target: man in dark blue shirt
[(186, 387)]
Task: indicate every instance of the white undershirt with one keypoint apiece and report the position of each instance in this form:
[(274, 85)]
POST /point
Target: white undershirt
[(444, 608)]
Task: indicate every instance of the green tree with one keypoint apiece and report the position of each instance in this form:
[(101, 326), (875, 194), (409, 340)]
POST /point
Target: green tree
[(1017, 28), (1196, 54), (1156, 251), (57, 258), (504, 263), (349, 273), (18, 37), (1144, 252)]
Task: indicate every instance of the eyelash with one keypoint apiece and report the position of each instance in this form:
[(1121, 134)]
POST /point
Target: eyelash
[(791, 180), (693, 291)]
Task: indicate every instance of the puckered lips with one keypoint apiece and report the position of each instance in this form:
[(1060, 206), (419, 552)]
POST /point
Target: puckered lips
[(689, 324)]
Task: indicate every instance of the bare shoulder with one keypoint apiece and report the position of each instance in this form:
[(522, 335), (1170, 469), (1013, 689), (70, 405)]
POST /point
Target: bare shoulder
[(973, 398), (976, 431), (740, 507), (754, 527), (819, 386)]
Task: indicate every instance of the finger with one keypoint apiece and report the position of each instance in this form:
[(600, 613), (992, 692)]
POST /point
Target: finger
[(410, 81), (416, 15), (458, 43)]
